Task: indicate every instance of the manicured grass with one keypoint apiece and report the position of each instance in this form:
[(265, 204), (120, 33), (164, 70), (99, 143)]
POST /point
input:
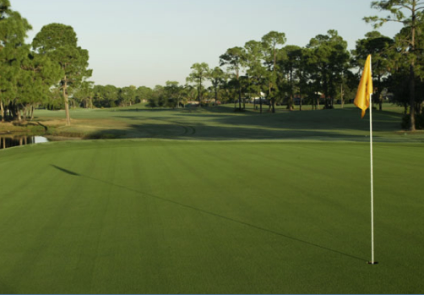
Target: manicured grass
[(222, 123), (170, 216)]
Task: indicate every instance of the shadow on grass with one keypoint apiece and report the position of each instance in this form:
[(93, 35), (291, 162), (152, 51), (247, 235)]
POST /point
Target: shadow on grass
[(66, 171), (338, 119), (338, 122), (144, 194), (190, 130)]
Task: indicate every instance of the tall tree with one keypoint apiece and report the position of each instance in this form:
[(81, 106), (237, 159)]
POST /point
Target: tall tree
[(302, 75), (158, 98), (105, 96), (231, 89), (217, 78), (13, 52), (255, 70), (38, 74), (126, 95), (59, 43), (189, 93), (143, 93), (233, 59), (289, 65), (328, 59), (199, 73), (412, 20), (174, 93), (270, 43), (84, 94)]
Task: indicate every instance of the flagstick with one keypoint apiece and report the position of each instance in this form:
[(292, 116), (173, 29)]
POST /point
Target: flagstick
[(372, 188), (372, 182)]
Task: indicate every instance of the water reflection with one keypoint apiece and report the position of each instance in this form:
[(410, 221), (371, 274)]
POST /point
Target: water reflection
[(7, 142)]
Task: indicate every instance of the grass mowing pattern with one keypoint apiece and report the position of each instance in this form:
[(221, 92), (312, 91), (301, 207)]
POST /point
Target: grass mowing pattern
[(143, 216)]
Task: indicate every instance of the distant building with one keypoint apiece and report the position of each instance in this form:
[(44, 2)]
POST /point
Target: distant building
[(193, 102), (257, 100)]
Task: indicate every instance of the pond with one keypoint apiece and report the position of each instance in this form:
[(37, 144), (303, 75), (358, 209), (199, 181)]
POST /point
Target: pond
[(7, 142)]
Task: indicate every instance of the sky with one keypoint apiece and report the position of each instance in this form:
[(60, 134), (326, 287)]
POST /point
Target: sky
[(149, 42)]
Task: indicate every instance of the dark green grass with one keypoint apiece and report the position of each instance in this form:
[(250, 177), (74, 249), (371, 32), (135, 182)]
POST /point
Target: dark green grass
[(153, 216)]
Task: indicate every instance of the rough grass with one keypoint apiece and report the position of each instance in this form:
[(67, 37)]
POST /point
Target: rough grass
[(162, 215)]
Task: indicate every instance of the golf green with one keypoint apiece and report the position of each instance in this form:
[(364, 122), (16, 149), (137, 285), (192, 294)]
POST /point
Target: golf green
[(162, 216)]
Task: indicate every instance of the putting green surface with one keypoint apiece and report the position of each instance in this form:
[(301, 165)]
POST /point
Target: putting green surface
[(157, 216)]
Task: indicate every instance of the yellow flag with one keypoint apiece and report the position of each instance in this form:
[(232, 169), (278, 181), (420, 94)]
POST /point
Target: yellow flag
[(365, 89)]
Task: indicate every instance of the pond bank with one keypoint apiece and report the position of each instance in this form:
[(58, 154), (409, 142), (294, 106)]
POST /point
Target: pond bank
[(11, 141)]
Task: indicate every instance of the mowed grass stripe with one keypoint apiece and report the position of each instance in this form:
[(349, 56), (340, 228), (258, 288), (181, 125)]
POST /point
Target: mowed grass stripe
[(210, 217), (209, 240), (56, 200)]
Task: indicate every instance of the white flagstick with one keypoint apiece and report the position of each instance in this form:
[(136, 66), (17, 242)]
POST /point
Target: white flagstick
[(372, 187), (372, 183)]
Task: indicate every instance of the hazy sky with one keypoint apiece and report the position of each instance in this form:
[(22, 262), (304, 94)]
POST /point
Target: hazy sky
[(148, 42)]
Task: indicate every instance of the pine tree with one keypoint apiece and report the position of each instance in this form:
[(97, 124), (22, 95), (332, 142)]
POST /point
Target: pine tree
[(59, 43)]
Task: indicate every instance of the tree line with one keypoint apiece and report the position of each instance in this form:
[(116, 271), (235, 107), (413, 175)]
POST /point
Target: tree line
[(43, 72), (324, 70), (52, 71)]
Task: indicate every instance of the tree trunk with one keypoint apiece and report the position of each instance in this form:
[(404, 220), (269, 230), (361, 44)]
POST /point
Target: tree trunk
[(325, 84), (2, 111), (28, 112), (379, 91), (239, 94), (12, 112), (18, 113), (11, 109), (412, 97), (66, 99), (260, 102), (300, 100), (331, 91), (32, 112), (412, 76), (200, 89), (216, 96)]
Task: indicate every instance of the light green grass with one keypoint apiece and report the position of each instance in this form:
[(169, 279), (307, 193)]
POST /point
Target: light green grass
[(166, 216)]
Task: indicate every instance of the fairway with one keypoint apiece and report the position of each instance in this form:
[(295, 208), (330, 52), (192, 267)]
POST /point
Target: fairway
[(171, 216), (222, 123)]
